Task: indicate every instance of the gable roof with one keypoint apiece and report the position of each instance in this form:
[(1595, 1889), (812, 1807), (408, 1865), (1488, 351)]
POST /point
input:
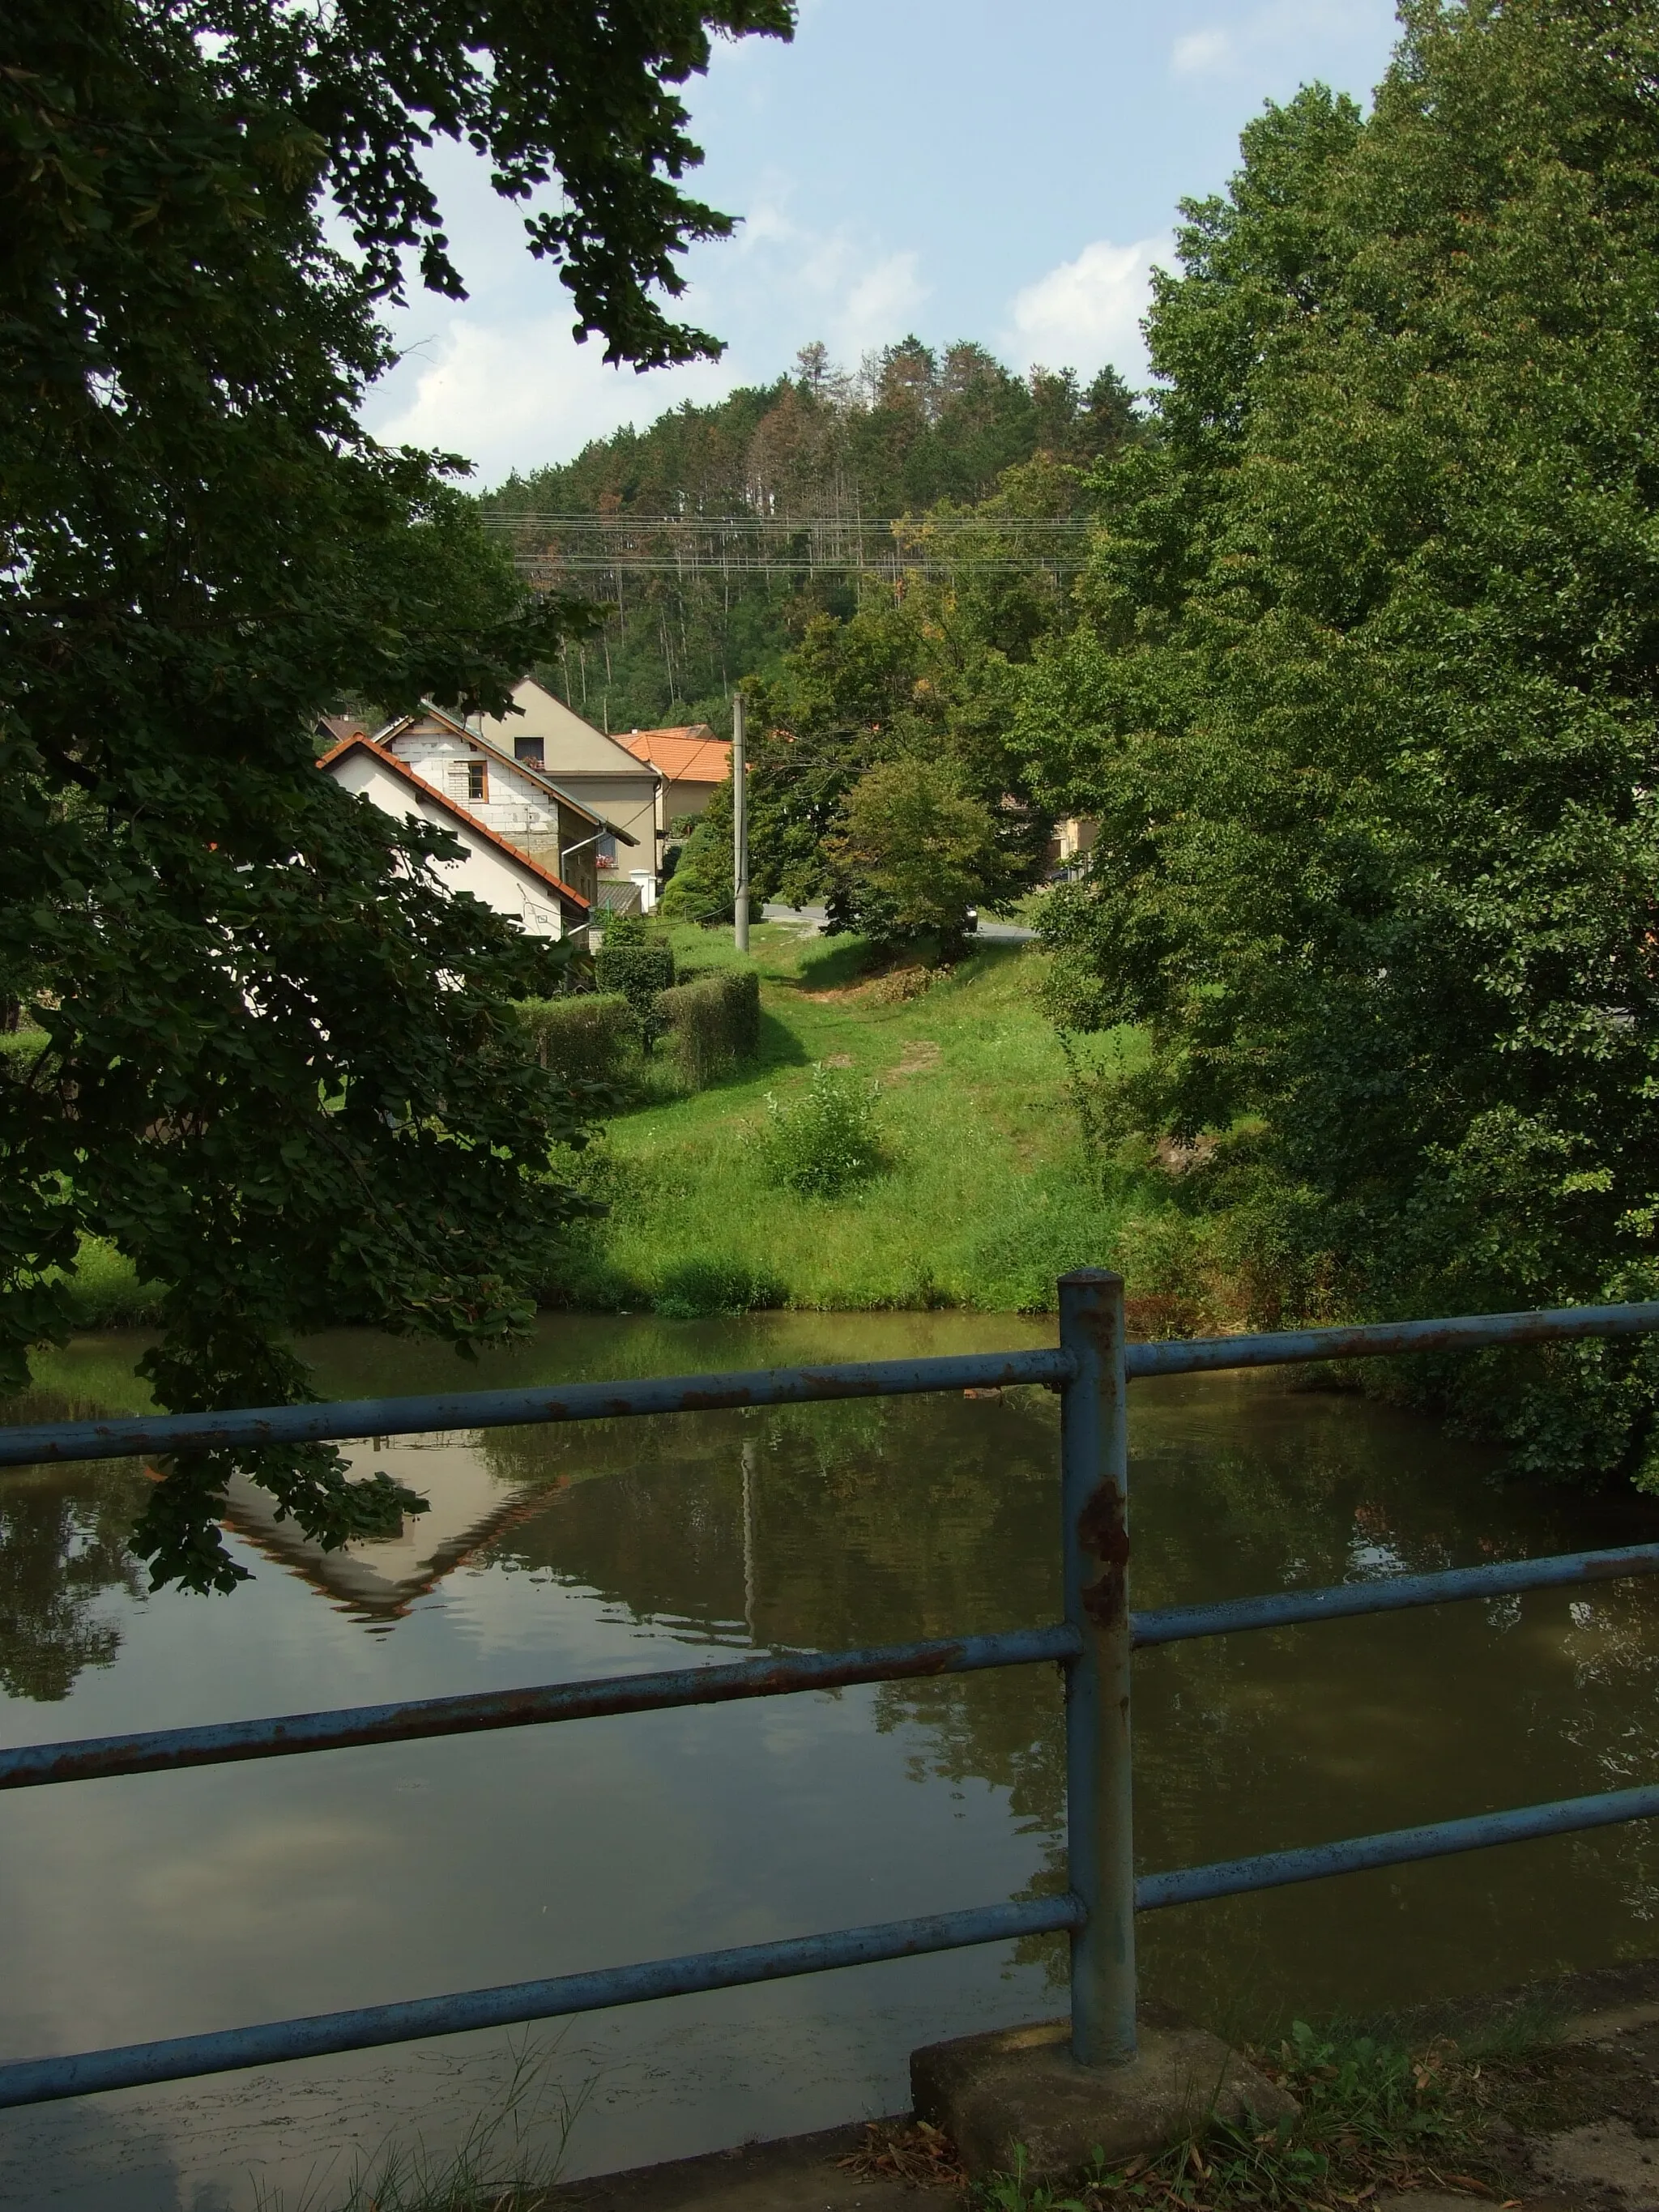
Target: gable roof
[(689, 753), (460, 813), (399, 723), (528, 768), (539, 713), (335, 726)]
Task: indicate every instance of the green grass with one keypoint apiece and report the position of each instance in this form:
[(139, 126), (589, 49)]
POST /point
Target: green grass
[(1375, 2117), (984, 1196), (104, 1291)]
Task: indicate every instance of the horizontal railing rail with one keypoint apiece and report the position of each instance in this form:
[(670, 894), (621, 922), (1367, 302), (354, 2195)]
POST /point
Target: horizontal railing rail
[(180, 2057), (352, 1419), (356, 1418), (1389, 1339), (1395, 1847), (286, 1736), (1090, 1368), (1178, 1624), (224, 1743)]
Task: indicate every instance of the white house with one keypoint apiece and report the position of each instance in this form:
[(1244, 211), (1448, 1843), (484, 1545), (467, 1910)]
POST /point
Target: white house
[(519, 800), (493, 870), (598, 771)]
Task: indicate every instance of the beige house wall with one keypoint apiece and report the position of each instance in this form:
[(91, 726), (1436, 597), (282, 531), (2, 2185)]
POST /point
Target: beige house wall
[(598, 772), (684, 795)]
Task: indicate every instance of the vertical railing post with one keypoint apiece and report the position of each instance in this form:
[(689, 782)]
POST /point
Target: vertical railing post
[(1095, 1500)]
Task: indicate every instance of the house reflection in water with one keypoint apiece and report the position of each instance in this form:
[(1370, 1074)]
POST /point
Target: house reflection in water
[(378, 1580)]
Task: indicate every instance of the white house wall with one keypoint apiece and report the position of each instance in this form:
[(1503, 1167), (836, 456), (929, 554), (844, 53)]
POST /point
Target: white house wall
[(514, 808), (492, 877)]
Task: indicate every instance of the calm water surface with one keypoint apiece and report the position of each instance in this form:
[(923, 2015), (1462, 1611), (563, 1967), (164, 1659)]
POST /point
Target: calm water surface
[(166, 1903)]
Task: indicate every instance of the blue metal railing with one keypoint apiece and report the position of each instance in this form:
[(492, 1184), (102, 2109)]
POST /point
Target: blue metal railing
[(1090, 1368)]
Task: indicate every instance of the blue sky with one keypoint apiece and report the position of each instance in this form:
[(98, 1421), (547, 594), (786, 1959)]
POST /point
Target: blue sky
[(952, 167)]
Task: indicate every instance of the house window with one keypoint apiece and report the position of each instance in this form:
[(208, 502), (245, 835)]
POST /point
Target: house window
[(477, 779), (531, 751)]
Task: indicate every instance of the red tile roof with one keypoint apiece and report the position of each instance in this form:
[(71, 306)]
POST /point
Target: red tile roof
[(480, 829), (689, 754)]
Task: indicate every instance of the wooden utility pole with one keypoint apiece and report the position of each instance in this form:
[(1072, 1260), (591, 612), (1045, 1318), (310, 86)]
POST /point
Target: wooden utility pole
[(740, 831)]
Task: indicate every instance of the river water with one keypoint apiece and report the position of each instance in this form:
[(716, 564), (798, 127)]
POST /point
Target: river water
[(166, 1904)]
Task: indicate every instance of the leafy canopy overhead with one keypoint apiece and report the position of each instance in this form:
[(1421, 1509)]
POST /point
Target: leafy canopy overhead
[(569, 94), (276, 1065)]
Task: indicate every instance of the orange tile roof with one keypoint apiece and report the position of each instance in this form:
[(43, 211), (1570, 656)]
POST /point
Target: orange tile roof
[(480, 829), (690, 754)]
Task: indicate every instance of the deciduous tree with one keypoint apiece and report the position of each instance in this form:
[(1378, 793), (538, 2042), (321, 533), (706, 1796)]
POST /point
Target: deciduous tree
[(280, 1072), (1364, 699)]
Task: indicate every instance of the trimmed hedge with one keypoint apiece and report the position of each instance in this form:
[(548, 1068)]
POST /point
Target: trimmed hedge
[(637, 968), (588, 1037), (714, 1024)]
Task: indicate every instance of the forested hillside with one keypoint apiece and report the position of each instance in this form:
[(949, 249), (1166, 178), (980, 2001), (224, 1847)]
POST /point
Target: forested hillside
[(781, 496)]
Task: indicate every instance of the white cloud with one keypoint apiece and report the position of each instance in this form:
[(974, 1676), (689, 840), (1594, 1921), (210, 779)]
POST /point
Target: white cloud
[(829, 284), (875, 306), (517, 393), (1268, 33), (1087, 312), (1199, 53), (505, 384)]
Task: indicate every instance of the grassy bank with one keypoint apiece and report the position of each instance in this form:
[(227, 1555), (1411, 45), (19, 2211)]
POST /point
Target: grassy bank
[(982, 1195)]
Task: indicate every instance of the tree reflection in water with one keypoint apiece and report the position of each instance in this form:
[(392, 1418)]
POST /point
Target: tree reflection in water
[(62, 1545)]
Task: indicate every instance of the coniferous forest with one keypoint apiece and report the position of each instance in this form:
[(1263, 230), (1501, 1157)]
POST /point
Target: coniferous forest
[(782, 497)]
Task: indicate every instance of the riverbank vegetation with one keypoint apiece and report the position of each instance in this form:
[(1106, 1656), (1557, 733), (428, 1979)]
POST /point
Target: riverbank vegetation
[(903, 1139), (1361, 693)]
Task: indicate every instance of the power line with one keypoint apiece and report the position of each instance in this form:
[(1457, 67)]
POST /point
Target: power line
[(682, 544), (782, 525)]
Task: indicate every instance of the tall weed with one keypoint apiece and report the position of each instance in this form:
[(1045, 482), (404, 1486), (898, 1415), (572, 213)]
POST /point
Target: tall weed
[(823, 1143), (508, 2160), (1374, 2117)]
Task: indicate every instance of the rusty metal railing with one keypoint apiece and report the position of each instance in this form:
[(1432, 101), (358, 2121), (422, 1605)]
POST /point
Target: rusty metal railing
[(1091, 1368)]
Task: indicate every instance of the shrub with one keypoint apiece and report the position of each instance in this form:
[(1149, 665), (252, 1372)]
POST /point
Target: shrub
[(714, 1025), (590, 1037), (695, 1288), (637, 966), (900, 985), (701, 888), (824, 1142)]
